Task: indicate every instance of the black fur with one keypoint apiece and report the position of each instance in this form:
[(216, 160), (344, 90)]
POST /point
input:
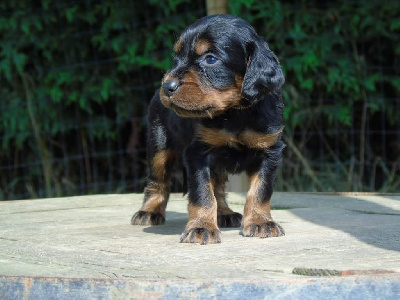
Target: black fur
[(244, 63)]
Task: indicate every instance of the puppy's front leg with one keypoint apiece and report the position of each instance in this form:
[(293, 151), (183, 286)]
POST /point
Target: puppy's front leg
[(257, 219), (202, 224)]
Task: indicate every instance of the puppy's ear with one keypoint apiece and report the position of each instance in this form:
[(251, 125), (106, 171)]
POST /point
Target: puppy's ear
[(263, 75)]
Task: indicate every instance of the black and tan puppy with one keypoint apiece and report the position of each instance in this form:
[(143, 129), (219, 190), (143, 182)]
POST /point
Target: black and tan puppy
[(219, 111)]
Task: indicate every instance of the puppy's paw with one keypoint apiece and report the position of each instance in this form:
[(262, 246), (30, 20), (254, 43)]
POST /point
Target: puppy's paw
[(201, 235), (263, 230), (147, 218), (231, 220)]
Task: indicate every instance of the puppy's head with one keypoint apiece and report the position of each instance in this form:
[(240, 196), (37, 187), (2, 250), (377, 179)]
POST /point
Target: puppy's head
[(219, 63)]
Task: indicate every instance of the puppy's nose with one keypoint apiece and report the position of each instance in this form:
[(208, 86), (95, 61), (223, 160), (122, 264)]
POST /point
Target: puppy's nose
[(170, 87)]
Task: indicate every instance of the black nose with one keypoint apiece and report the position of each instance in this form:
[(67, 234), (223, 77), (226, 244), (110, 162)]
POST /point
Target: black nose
[(170, 87)]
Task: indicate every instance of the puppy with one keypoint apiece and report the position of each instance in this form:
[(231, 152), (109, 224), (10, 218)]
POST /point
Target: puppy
[(218, 111)]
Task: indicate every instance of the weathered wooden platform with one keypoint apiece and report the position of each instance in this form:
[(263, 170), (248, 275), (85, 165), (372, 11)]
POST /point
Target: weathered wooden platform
[(85, 247)]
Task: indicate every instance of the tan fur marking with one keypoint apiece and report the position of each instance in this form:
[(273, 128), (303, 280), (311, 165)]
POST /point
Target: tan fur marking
[(224, 99), (178, 46), (220, 195), (167, 77), (159, 163), (249, 138), (157, 199), (257, 220), (202, 217), (239, 81), (217, 137), (202, 46), (223, 208), (256, 140), (255, 211), (195, 99)]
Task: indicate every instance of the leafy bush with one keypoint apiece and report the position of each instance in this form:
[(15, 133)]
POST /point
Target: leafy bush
[(76, 78), (73, 75), (341, 60)]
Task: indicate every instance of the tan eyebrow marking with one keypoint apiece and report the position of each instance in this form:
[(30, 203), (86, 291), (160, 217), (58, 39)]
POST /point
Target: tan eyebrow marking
[(202, 46), (178, 45)]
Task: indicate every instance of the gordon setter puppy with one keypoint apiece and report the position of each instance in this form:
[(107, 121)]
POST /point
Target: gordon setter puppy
[(218, 111)]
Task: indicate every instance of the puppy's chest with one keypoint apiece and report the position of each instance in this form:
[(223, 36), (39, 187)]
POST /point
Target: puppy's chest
[(248, 138)]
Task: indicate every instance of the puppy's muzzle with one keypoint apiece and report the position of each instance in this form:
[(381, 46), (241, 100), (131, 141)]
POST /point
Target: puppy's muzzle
[(170, 87)]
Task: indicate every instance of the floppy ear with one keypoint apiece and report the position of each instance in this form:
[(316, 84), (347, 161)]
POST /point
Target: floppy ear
[(263, 75)]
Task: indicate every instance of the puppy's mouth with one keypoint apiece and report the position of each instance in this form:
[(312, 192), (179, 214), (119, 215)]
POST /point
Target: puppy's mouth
[(196, 98), (208, 112), (174, 103)]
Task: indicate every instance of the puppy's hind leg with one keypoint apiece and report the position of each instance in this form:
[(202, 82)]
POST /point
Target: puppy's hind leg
[(157, 191), (160, 160), (226, 217)]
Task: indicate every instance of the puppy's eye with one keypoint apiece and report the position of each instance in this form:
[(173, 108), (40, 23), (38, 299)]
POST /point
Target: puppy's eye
[(210, 59)]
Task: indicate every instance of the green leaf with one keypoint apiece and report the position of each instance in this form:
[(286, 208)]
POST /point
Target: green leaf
[(344, 115), (236, 6), (395, 25), (70, 13), (307, 84), (106, 88), (64, 77), (310, 61), (25, 25), (5, 69), (19, 61), (395, 82), (46, 4), (370, 82), (56, 94), (83, 103)]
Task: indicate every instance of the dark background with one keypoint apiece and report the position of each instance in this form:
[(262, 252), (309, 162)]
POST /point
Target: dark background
[(77, 76)]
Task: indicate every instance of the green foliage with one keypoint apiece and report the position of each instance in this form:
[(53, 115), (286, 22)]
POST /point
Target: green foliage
[(76, 69), (338, 57), (73, 74), (327, 50)]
